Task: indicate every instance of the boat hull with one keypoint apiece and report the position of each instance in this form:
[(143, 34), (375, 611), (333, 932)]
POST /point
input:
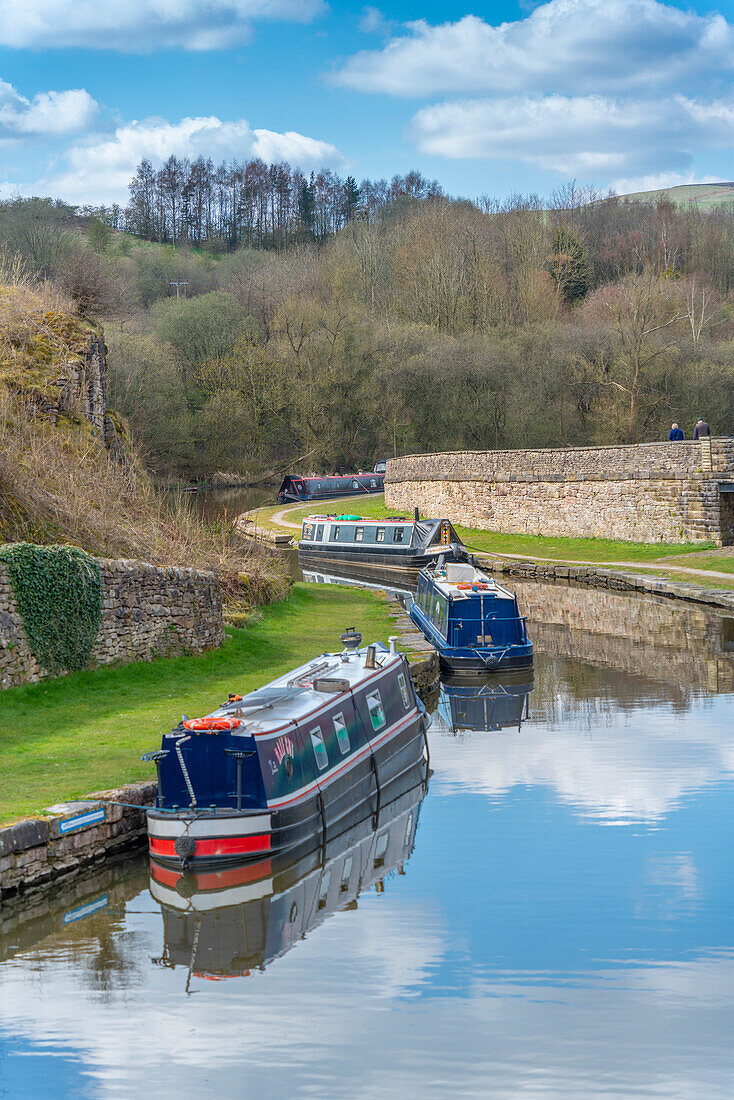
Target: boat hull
[(208, 839), (398, 560)]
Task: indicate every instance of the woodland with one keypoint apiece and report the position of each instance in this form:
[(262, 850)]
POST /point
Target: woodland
[(257, 319)]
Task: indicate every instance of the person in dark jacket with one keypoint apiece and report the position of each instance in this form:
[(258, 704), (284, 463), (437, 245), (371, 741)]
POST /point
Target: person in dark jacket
[(676, 433), (701, 429)]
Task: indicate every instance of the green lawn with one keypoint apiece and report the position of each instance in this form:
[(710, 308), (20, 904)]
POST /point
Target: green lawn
[(65, 738), (494, 542)]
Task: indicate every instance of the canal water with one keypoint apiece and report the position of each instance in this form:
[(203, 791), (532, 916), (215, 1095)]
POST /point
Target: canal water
[(553, 916)]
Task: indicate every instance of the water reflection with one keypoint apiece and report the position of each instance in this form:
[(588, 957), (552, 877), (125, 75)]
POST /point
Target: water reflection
[(564, 926), (227, 923)]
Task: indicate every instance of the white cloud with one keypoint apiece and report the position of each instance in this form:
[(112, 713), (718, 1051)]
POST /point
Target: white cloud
[(48, 113), (100, 170), (142, 25), (594, 136), (562, 46)]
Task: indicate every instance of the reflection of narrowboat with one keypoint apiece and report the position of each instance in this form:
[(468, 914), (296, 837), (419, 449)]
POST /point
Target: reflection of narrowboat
[(226, 923), (486, 704), (471, 620), (393, 543), (265, 772), (331, 486)]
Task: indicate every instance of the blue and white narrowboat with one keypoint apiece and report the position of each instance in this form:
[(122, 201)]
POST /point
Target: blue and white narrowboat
[(393, 543), (471, 620), (265, 772), (331, 486)]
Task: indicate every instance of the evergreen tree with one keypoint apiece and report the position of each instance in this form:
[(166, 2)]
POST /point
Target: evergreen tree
[(569, 265)]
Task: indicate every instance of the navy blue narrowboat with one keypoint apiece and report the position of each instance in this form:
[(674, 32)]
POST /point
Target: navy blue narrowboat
[(331, 486), (472, 621), (394, 543), (267, 771), (228, 922)]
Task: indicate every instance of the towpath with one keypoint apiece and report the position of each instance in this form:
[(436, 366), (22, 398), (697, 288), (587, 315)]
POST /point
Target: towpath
[(662, 565)]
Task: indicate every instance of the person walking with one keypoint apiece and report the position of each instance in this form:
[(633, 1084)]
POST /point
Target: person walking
[(701, 429), (676, 433)]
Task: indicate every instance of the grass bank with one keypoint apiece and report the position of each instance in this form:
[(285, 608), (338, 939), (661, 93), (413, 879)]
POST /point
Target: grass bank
[(495, 542), (65, 738)]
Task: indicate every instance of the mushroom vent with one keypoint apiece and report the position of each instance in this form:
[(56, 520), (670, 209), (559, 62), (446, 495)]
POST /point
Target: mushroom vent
[(351, 638)]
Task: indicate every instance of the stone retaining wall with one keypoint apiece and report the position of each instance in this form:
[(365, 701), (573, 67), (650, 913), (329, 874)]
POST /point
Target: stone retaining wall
[(38, 850), (645, 492), (146, 612)]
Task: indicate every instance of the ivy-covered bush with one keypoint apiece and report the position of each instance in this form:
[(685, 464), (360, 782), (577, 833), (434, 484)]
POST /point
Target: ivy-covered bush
[(58, 592)]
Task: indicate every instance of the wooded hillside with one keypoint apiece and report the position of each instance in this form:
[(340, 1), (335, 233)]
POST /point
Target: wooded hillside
[(396, 319)]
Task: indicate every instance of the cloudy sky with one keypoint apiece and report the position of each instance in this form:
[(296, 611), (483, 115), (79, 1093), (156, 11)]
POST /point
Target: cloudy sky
[(488, 98)]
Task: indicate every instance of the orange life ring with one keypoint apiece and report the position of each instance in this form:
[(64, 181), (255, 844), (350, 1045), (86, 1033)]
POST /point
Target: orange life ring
[(463, 585), (211, 725)]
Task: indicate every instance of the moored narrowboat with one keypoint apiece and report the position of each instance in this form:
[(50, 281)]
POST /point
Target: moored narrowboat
[(331, 486), (267, 771), (471, 620), (393, 543)]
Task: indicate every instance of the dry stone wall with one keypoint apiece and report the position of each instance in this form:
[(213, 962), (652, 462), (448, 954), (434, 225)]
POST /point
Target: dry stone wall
[(646, 492), (146, 612)]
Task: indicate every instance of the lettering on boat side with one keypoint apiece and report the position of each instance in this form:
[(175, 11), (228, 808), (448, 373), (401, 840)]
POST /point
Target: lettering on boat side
[(86, 910), (82, 821)]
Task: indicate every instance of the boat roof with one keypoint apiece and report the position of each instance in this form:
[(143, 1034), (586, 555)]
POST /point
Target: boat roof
[(452, 579), (293, 698), (317, 517)]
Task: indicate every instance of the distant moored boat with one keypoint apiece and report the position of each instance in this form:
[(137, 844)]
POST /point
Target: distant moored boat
[(331, 486)]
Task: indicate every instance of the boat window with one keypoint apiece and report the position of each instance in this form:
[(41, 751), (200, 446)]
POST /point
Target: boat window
[(377, 713), (346, 874), (308, 530), (373, 483), (319, 748), (397, 535), (324, 887), (355, 485), (334, 534), (404, 690), (380, 534), (439, 613), (320, 532), (381, 849), (359, 534), (342, 733)]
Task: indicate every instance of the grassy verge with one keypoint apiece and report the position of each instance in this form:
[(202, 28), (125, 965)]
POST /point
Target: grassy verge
[(64, 738), (494, 542)]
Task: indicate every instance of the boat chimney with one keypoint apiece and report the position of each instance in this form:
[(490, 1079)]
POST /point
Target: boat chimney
[(369, 660), (393, 640), (416, 515)]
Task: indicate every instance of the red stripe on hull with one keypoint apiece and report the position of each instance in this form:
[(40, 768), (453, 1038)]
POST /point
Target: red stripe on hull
[(215, 880), (215, 846)]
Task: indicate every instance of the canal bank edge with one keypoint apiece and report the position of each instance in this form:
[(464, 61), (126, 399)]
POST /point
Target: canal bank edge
[(38, 851), (598, 577)]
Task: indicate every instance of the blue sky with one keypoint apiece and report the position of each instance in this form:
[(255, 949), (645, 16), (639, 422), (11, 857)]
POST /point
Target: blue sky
[(488, 98)]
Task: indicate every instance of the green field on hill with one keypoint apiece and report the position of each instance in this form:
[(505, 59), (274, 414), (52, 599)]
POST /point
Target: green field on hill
[(703, 195)]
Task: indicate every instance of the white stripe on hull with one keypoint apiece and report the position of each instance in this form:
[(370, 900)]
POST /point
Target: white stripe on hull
[(205, 902), (201, 828)]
